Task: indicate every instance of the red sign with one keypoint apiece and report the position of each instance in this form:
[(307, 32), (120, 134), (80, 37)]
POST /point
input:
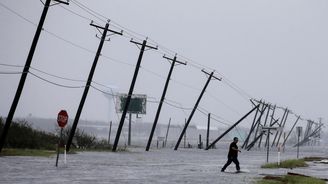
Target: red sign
[(62, 118)]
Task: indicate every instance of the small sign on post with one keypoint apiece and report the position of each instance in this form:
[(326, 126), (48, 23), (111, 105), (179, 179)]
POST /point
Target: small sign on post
[(62, 119)]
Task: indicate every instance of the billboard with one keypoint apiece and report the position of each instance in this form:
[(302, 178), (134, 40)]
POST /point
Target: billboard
[(137, 104)]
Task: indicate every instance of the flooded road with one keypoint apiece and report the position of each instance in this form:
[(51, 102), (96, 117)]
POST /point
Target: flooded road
[(157, 166)]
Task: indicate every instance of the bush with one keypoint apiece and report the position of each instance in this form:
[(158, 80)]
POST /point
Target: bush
[(22, 135)]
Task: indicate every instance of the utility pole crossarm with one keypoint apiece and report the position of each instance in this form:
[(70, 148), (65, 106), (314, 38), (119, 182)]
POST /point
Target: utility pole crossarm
[(220, 79), (174, 60), (103, 28), (147, 46), (63, 2)]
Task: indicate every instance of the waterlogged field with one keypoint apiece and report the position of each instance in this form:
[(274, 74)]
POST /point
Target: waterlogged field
[(157, 166)]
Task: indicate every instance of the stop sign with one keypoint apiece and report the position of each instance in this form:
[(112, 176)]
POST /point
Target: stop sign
[(62, 118)]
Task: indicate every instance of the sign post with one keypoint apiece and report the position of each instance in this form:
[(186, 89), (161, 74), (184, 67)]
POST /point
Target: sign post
[(268, 138), (62, 121)]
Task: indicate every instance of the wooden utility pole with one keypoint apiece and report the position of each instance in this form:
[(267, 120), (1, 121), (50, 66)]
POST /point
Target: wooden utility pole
[(88, 83), (174, 61), (25, 71), (134, 79), (195, 107)]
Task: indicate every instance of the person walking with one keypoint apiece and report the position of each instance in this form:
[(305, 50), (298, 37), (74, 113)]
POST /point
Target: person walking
[(232, 155)]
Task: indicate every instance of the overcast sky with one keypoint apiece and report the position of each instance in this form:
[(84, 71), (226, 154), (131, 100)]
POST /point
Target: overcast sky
[(271, 50)]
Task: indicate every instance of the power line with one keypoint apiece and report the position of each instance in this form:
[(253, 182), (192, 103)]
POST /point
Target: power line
[(17, 14), (10, 73), (133, 34), (54, 83), (90, 51)]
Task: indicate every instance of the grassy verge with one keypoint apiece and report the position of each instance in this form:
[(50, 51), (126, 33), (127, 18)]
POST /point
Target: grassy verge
[(286, 164), (290, 180), (311, 159), (27, 152)]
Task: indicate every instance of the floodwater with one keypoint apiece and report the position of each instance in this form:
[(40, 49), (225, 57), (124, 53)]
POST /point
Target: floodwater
[(156, 166)]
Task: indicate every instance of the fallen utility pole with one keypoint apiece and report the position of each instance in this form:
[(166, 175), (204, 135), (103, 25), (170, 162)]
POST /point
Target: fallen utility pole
[(195, 107), (25, 71), (174, 61), (252, 126), (283, 126), (88, 83), (229, 129), (283, 144), (128, 99), (265, 122), (270, 124), (282, 120)]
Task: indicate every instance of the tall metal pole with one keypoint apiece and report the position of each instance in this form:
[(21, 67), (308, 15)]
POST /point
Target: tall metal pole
[(110, 130), (167, 132), (230, 128), (208, 129), (298, 143), (24, 74), (129, 134), (193, 111), (134, 79), (88, 83), (174, 60)]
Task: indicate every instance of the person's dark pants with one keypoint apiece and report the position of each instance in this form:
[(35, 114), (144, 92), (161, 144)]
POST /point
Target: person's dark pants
[(231, 159)]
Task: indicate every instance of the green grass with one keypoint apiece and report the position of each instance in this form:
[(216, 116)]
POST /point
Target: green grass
[(27, 152), (286, 164), (291, 180), (310, 159)]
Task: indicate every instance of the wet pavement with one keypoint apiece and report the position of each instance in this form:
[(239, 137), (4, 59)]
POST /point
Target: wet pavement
[(156, 166)]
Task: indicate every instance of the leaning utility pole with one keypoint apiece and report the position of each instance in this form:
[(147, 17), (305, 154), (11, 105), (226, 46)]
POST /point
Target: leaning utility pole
[(87, 86), (174, 61), (127, 103), (25, 71), (195, 107)]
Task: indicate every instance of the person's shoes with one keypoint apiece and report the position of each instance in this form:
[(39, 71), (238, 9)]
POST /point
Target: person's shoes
[(238, 171)]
